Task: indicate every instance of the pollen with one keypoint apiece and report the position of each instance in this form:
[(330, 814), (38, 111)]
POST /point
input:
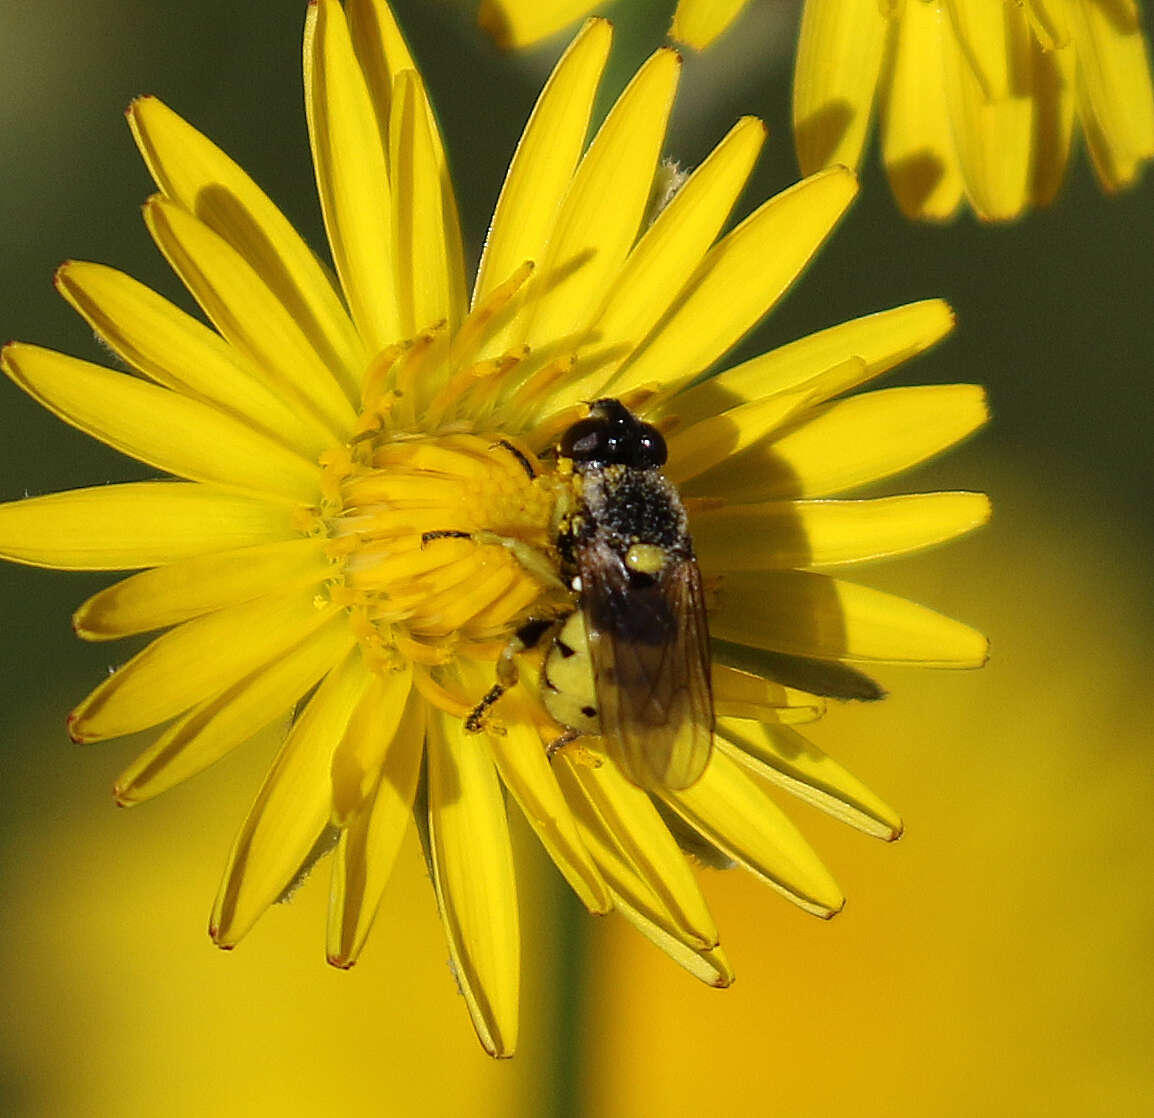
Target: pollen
[(645, 558)]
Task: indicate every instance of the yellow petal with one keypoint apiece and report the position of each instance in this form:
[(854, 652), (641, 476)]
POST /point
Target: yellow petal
[(791, 761), (291, 809), (634, 893), (248, 314), (739, 281), (1052, 87), (881, 340), (703, 445), (521, 761), (850, 443), (602, 211), (807, 614), (429, 283), (383, 56), (175, 350), (520, 23), (180, 591), (665, 257), (474, 882), (709, 965), (731, 809), (638, 856), (839, 56), (352, 174), (778, 535), (372, 838), (698, 22), (741, 694), (1115, 99), (140, 524), (1050, 22), (193, 662), (918, 146), (985, 64), (197, 175), (160, 427), (229, 719), (368, 738), (544, 161), (380, 48)]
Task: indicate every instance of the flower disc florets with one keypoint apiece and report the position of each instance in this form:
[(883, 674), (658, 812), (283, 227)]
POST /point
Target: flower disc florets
[(442, 531)]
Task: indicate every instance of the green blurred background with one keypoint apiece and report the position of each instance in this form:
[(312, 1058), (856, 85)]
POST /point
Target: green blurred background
[(998, 959)]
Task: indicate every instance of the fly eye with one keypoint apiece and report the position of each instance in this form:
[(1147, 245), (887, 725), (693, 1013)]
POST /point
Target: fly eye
[(651, 449), (589, 440), (613, 436)]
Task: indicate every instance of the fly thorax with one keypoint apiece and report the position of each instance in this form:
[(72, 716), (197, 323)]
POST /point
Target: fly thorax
[(638, 509)]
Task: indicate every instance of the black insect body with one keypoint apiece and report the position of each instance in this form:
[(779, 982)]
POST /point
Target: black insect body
[(632, 662)]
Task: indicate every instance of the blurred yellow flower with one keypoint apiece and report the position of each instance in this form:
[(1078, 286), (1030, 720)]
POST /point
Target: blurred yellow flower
[(325, 433), (521, 23), (978, 98)]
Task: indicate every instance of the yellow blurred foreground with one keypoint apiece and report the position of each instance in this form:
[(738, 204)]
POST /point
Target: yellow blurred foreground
[(996, 960)]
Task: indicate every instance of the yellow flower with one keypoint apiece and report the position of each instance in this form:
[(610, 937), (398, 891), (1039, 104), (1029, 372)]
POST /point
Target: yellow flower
[(521, 23), (323, 432), (978, 98)]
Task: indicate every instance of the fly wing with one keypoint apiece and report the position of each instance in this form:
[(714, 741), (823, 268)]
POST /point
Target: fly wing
[(649, 646)]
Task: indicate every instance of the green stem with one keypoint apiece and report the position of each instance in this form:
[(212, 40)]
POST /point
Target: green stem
[(571, 944)]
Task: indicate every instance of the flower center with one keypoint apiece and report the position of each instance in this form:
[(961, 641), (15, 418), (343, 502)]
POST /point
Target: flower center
[(444, 541)]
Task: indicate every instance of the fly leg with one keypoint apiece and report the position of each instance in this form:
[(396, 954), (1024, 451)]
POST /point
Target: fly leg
[(526, 637), (531, 558), (582, 755), (559, 743)]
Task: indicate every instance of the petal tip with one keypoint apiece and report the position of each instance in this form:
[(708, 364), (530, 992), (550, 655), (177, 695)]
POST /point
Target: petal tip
[(751, 121), (945, 308), (76, 731), (490, 19), (214, 933), (836, 170), (122, 796), (151, 208), (79, 628), (136, 111), (834, 909)]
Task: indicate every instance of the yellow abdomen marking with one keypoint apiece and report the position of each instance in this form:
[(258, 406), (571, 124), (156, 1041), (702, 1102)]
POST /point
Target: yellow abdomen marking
[(567, 686)]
